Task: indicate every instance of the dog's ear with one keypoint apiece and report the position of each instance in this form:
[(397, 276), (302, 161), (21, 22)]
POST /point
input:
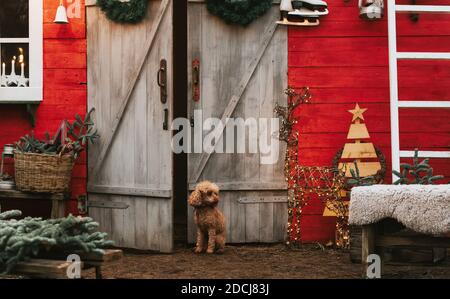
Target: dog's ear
[(195, 199), (215, 188)]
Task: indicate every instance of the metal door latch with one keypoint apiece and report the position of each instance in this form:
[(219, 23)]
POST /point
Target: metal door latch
[(162, 80), (166, 120)]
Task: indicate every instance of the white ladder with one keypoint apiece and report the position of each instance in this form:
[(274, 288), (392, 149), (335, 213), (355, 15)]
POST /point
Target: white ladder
[(394, 56)]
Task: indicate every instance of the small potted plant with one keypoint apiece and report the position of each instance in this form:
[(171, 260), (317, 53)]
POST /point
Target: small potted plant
[(45, 166)]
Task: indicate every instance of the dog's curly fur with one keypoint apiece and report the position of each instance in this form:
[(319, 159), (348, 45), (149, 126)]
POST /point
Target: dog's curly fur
[(209, 219)]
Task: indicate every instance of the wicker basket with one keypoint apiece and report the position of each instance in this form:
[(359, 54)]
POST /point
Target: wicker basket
[(43, 173)]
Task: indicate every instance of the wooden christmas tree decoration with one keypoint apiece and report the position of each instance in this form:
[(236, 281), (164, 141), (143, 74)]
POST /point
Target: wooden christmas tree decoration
[(361, 149), (359, 161)]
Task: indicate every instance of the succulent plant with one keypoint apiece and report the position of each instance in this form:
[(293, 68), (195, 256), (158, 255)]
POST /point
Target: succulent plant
[(83, 130), (30, 144), (418, 173), (79, 134)]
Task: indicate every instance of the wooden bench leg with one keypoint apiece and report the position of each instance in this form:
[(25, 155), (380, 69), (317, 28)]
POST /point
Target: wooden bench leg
[(439, 255), (367, 246), (98, 272), (58, 209)]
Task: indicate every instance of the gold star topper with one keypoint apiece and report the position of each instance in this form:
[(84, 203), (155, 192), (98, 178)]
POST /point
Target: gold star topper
[(357, 112)]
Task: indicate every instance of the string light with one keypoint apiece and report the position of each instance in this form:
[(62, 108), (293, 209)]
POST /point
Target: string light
[(303, 182), (288, 134), (327, 183)]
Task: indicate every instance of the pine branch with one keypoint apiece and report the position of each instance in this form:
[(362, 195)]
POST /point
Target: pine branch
[(420, 172), (29, 237)]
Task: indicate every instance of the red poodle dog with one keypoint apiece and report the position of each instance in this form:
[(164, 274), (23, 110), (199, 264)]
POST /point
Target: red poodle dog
[(209, 219)]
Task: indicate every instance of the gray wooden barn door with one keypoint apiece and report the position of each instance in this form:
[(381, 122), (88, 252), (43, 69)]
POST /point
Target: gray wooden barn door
[(130, 169), (243, 73)]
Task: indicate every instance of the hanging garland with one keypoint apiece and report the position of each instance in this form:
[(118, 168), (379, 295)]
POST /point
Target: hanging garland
[(132, 11), (240, 12)]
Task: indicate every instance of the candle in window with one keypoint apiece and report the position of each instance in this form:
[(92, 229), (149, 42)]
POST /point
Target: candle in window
[(22, 69), (13, 66), (21, 55)]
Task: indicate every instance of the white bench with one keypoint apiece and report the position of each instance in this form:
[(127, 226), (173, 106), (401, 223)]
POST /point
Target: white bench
[(424, 210)]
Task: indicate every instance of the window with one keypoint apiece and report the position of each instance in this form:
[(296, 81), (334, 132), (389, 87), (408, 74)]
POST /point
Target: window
[(21, 51)]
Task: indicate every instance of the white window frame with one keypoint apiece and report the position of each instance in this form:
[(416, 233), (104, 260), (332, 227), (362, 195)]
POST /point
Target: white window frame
[(34, 92)]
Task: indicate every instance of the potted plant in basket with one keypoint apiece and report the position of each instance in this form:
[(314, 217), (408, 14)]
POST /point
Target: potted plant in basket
[(46, 165)]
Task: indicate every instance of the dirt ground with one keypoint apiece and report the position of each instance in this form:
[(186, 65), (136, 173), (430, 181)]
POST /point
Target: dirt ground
[(257, 262)]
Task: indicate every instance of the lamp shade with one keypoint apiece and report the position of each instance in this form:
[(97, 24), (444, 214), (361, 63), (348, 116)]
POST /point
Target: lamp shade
[(61, 15)]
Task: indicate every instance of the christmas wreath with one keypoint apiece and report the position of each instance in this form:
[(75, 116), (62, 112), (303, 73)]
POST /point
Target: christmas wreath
[(241, 12), (132, 11)]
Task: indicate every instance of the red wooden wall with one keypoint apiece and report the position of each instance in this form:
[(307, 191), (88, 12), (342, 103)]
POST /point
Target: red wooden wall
[(65, 94), (344, 61)]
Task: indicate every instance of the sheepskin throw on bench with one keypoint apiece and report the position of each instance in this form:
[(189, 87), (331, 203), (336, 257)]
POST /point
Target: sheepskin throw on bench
[(421, 208)]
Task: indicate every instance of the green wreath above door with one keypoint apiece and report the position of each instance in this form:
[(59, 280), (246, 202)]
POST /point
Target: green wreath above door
[(124, 11), (239, 12)]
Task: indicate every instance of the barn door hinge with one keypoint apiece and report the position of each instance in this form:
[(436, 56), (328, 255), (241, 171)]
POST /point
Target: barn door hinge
[(262, 199), (84, 205)]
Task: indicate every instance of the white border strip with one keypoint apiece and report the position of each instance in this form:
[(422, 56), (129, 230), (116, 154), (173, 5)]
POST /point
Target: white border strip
[(424, 104), (425, 154), (423, 8), (421, 55), (14, 40), (20, 95)]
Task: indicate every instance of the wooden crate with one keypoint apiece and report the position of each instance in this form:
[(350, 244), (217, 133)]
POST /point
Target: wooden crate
[(54, 266)]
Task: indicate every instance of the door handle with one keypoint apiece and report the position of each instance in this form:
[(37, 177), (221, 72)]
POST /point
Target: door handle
[(162, 80), (196, 80)]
